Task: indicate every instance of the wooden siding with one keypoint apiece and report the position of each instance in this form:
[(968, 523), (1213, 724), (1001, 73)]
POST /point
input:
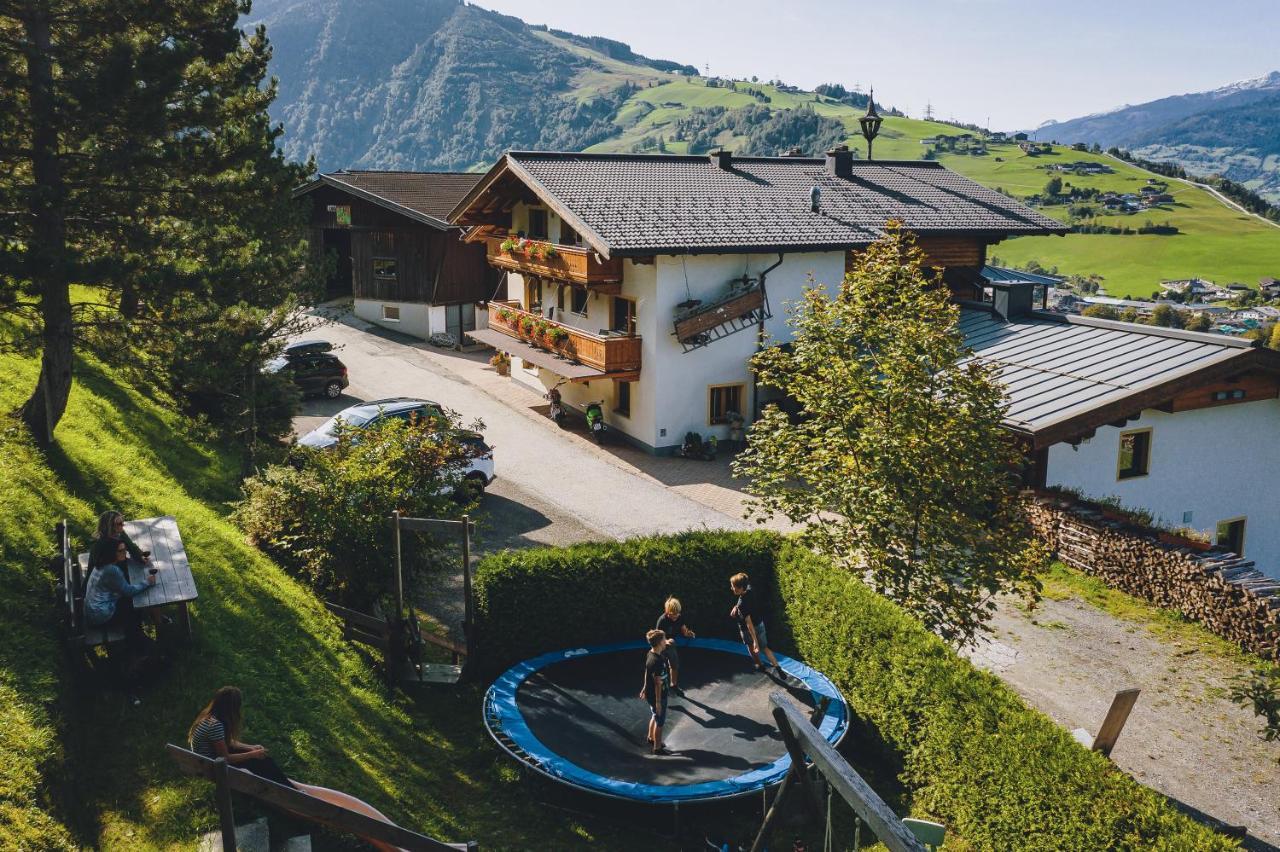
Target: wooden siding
[(432, 266), (941, 251), (1256, 386)]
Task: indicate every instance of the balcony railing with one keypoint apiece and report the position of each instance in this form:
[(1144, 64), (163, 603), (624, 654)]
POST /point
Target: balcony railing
[(609, 353), (563, 263)]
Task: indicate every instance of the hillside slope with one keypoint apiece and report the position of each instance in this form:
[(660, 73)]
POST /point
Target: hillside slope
[(312, 698), (1233, 131)]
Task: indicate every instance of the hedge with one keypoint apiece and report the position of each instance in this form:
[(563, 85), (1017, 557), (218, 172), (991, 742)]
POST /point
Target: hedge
[(999, 774), (532, 601)]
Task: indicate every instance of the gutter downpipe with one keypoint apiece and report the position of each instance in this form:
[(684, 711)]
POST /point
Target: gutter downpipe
[(755, 382)]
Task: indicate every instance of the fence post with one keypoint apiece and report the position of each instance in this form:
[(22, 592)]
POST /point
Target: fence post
[(226, 816)]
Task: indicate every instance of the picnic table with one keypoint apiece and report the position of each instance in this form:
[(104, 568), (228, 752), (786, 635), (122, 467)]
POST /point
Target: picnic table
[(175, 586)]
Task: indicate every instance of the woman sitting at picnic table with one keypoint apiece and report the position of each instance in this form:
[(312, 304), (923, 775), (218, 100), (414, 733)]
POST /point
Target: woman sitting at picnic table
[(215, 733), (111, 530), (108, 596)]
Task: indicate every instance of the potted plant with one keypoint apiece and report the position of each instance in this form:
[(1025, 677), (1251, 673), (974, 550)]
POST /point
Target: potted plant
[(505, 316), (526, 325), (539, 331), (549, 251), (501, 362), (509, 245), (556, 336)]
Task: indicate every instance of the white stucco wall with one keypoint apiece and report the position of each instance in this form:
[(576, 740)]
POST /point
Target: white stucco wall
[(415, 317), (1216, 463)]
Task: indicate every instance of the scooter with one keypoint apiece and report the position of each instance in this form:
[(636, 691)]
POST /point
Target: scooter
[(595, 421), (556, 409)]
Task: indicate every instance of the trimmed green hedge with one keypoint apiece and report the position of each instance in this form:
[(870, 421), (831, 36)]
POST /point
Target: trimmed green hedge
[(999, 774), (532, 601)]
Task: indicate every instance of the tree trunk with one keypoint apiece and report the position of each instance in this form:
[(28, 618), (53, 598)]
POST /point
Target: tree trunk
[(46, 255)]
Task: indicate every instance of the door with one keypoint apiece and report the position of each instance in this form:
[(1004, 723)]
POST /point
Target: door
[(306, 372), (459, 319), (624, 316), (338, 243)]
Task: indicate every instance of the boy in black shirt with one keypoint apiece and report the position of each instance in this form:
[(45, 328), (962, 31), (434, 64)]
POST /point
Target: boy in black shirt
[(750, 615), (673, 627), (654, 691)]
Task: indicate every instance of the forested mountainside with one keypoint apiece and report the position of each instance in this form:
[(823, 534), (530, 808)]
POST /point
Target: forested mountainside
[(440, 84), (436, 84), (1233, 131)]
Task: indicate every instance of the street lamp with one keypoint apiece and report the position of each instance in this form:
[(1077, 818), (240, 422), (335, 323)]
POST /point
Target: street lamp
[(871, 121)]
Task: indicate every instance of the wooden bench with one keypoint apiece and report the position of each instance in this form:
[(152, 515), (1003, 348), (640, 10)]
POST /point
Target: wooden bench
[(80, 634), (228, 778)]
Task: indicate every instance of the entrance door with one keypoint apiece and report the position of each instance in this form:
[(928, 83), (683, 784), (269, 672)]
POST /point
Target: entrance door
[(338, 243), (459, 319)]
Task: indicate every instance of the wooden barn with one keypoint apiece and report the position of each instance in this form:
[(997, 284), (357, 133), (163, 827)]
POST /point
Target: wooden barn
[(395, 253)]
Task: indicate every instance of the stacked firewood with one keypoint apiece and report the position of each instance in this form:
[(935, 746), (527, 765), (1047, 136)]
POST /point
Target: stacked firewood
[(1224, 592)]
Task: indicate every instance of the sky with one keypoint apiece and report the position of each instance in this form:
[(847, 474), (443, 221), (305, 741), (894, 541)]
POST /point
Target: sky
[(1016, 63)]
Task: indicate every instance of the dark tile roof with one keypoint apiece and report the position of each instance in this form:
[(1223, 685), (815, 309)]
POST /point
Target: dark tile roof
[(644, 203), (1065, 376), (430, 194)]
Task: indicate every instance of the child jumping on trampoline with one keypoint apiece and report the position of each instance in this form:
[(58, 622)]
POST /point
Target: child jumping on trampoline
[(656, 675), (671, 626), (750, 615)]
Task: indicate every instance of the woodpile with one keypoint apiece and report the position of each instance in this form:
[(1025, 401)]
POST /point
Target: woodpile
[(1224, 592)]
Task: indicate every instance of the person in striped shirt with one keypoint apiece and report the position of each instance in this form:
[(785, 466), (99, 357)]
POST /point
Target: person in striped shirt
[(216, 731)]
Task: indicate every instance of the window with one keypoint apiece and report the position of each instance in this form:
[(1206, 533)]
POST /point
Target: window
[(624, 316), (578, 300), (560, 297), (1135, 454), (537, 224), (722, 400), (533, 294), (622, 398), (384, 268), (391, 312), (1231, 535), (1227, 395), (568, 236)]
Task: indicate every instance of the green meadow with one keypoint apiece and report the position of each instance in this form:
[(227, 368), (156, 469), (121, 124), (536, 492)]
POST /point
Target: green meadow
[(1213, 241)]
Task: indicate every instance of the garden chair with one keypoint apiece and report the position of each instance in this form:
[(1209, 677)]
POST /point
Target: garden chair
[(931, 834)]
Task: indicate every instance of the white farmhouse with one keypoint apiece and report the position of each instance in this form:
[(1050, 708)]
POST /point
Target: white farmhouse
[(652, 276)]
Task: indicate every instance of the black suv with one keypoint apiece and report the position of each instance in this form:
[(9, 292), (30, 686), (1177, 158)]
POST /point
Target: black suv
[(313, 369)]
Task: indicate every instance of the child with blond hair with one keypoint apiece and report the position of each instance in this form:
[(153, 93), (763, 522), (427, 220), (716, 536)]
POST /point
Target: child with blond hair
[(671, 624)]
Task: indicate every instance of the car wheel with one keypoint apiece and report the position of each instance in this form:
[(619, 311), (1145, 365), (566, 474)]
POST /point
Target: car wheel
[(472, 488), (333, 390)]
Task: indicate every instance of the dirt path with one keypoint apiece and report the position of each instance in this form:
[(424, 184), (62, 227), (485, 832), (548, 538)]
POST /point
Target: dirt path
[(1185, 737)]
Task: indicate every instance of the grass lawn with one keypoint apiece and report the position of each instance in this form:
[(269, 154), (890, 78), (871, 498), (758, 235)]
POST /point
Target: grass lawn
[(82, 767)]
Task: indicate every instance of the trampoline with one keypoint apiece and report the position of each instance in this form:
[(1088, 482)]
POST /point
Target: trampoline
[(576, 717)]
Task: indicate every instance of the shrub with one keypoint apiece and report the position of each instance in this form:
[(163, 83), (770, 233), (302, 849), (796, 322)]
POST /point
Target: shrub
[(999, 774), (325, 516), (532, 601)]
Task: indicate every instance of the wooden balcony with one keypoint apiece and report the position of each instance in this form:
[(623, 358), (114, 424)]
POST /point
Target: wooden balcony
[(570, 264), (607, 353)]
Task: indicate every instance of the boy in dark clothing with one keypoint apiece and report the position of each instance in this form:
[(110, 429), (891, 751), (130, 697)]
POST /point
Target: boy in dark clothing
[(654, 690), (671, 624), (750, 615)]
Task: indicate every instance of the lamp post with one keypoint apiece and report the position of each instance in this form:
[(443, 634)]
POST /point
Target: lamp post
[(871, 121)]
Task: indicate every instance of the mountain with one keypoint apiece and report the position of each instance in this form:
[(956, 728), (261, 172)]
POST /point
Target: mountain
[(1233, 131)]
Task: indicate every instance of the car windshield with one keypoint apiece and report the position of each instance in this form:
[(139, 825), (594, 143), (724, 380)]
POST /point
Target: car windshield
[(275, 365), (355, 418)]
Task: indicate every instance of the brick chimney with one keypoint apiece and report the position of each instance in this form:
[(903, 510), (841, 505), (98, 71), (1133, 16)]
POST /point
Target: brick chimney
[(840, 161), (723, 159)]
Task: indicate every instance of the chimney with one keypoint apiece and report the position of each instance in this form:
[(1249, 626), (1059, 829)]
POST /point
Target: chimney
[(1012, 299), (723, 159), (840, 161)]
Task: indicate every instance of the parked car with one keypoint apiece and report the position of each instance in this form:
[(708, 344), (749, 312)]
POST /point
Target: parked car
[(366, 413), (312, 368)]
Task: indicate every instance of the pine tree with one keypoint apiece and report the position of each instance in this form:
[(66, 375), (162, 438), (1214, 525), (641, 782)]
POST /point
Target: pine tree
[(899, 467), (136, 157)]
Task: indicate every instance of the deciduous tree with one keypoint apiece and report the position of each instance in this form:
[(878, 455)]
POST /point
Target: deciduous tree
[(136, 157), (898, 465)]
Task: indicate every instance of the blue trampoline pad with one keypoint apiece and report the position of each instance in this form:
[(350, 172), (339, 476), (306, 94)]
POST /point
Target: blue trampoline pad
[(577, 717)]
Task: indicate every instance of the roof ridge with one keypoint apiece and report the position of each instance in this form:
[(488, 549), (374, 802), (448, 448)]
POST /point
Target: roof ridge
[(399, 172), (703, 158), (1149, 330)]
